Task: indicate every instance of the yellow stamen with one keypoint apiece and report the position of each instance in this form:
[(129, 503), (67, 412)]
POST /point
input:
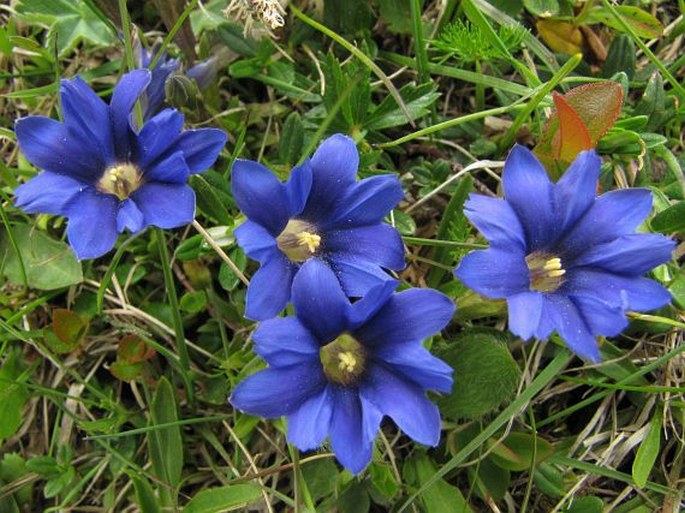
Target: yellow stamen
[(553, 264), (120, 180), (347, 361), (311, 240), (556, 273)]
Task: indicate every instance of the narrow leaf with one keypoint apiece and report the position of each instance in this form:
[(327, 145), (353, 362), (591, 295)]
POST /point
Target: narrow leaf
[(225, 498), (648, 451)]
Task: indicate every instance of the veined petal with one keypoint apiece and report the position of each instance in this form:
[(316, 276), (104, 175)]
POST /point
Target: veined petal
[(319, 301), (494, 273), (129, 216), (575, 191), (572, 327), (157, 135), (496, 220), (269, 289), (172, 169), (87, 116), (611, 215), (285, 341), (525, 313), (124, 97), (357, 276), (47, 144), (412, 315), (366, 307), (628, 292), (308, 426), (366, 202), (297, 188), (630, 255), (524, 179), (201, 147), (256, 241), (254, 188), (46, 193), (354, 424), (601, 318), (165, 205), (413, 362), (379, 244), (275, 392), (403, 401), (92, 226)]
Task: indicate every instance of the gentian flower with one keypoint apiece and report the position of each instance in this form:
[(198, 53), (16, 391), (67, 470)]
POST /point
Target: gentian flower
[(563, 258), (104, 174), (320, 212), (335, 369)]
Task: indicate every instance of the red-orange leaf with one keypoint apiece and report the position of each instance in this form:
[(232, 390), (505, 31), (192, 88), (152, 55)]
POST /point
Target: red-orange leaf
[(573, 136), (598, 105), (68, 326)]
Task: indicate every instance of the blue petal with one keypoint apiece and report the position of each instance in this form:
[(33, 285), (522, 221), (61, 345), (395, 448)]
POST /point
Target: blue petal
[(528, 190), (413, 362), (629, 293), (379, 244), (92, 227), (46, 193), (309, 425), (630, 255), (269, 289), (260, 195), (172, 169), (275, 392), (203, 72), (404, 402), (366, 307), (575, 191), (611, 215), (47, 145), (129, 216), (165, 205), (495, 219), (525, 313), (201, 147), (157, 136), (88, 118), (354, 425), (494, 273), (319, 301), (154, 98), (412, 315), (334, 169), (572, 327), (357, 276), (284, 341), (256, 242), (124, 97), (367, 202), (601, 318), (297, 188)]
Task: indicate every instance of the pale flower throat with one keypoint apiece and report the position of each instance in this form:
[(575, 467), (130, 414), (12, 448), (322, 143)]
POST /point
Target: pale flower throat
[(120, 180), (343, 360), (545, 271), (298, 240)]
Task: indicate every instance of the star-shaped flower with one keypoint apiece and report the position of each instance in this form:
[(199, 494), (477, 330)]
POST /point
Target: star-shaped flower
[(321, 212), (335, 369), (564, 259), (104, 174)]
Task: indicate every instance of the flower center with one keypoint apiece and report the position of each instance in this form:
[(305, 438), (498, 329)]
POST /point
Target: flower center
[(545, 271), (298, 240), (120, 180), (343, 360)]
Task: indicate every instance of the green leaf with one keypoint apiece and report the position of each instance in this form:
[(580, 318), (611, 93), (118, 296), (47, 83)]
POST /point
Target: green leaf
[(670, 220), (587, 504), (354, 499), (193, 302), (70, 21), (13, 395), (643, 24), (49, 264), (165, 444), (491, 481), (542, 8), (648, 451), (417, 99), (68, 326), (225, 498), (145, 496), (347, 16), (292, 138), (397, 13), (440, 496), (549, 480), (485, 374), (516, 451), (209, 197), (227, 278)]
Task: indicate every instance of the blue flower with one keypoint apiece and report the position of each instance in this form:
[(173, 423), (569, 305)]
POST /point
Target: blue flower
[(335, 369), (320, 212), (105, 175), (563, 258)]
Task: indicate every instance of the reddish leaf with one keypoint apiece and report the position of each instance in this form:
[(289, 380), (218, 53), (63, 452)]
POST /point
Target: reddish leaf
[(132, 349), (598, 105), (68, 326), (573, 136)]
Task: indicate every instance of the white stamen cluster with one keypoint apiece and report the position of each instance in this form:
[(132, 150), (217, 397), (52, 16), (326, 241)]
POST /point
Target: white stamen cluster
[(268, 12)]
